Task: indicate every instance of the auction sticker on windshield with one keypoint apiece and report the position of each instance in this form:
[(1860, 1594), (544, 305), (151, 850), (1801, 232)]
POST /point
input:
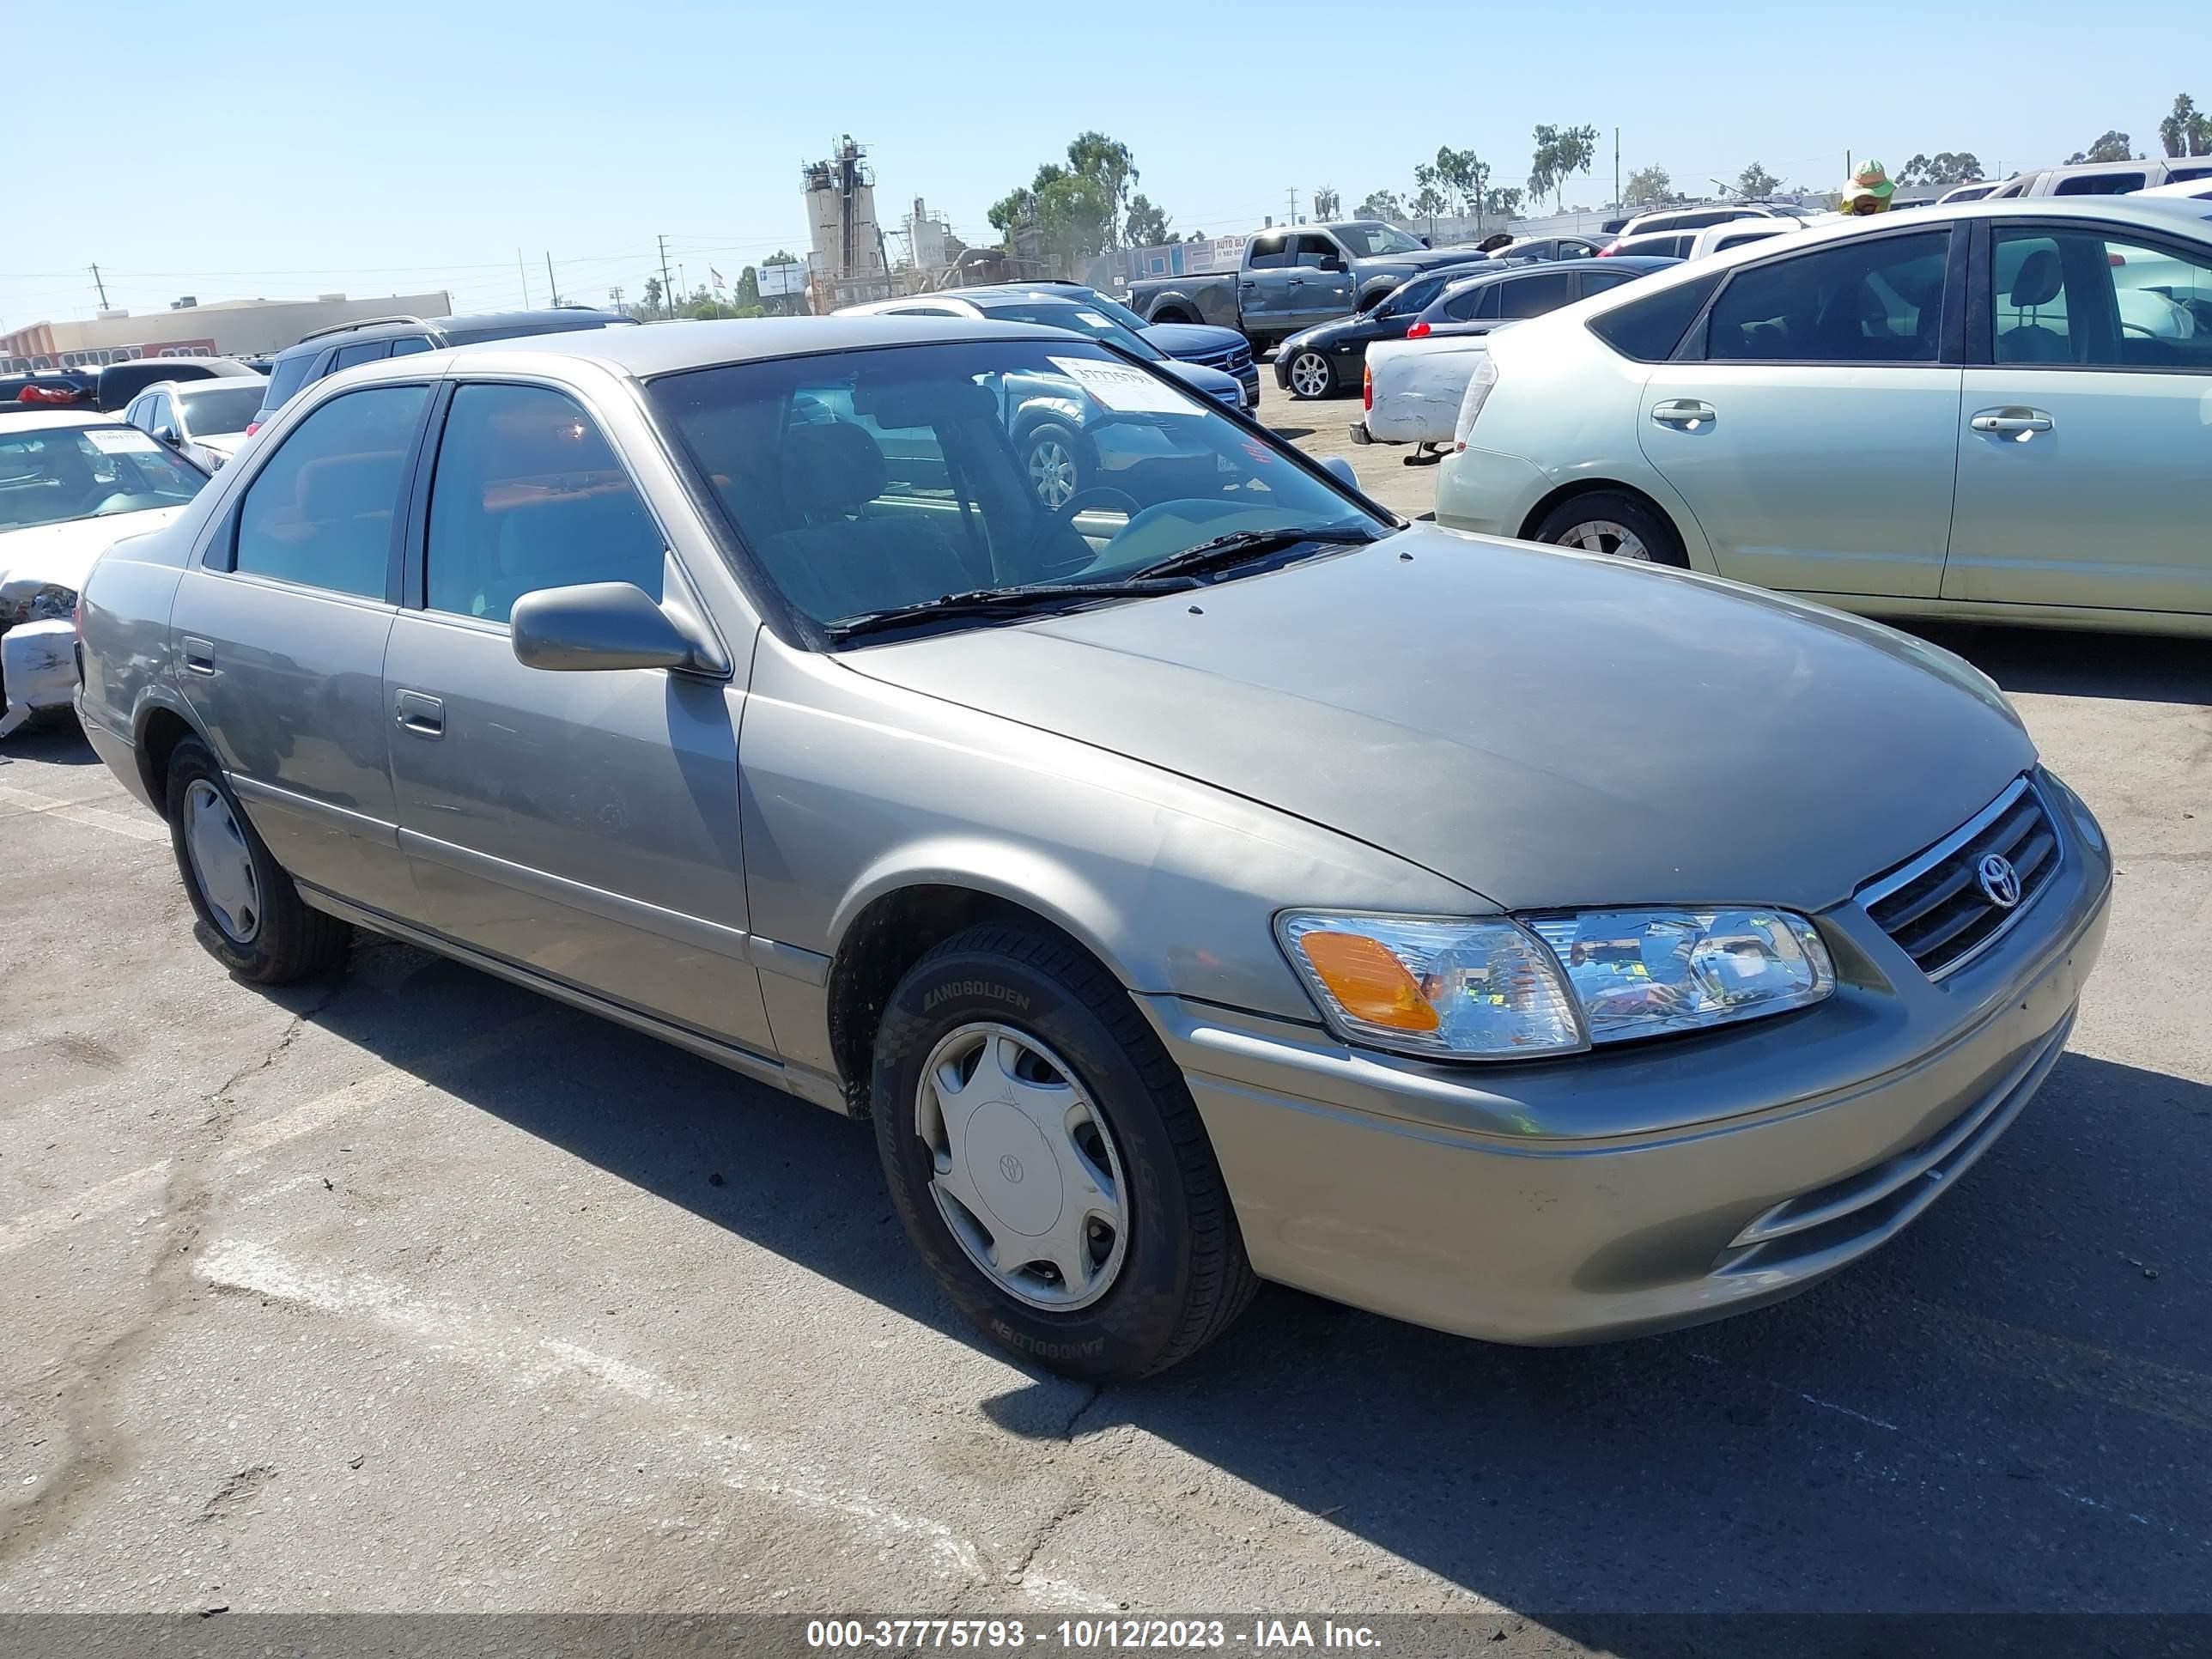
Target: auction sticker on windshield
[(116, 440), (1131, 391)]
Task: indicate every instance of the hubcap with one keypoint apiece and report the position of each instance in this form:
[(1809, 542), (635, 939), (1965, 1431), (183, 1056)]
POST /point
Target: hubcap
[(1025, 1173), (221, 862), (1309, 374), (1052, 470), (1603, 536)]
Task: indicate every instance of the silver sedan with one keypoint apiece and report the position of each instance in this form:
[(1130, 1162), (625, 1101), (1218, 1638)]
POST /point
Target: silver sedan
[(1205, 880)]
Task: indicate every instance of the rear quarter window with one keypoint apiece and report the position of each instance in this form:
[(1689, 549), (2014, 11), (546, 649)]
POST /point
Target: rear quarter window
[(1648, 328), (286, 377)]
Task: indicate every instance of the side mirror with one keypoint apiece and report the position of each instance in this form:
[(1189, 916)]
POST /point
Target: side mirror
[(165, 433), (1332, 262), (1425, 242), (1340, 470), (602, 625)]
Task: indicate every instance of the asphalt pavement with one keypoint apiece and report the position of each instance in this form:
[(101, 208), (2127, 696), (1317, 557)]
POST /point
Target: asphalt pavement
[(412, 1291)]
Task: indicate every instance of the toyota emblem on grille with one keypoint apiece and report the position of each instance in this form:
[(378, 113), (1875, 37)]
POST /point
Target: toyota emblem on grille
[(2000, 881)]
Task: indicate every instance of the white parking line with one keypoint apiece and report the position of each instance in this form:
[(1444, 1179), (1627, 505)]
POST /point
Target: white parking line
[(528, 1361), (136, 826)]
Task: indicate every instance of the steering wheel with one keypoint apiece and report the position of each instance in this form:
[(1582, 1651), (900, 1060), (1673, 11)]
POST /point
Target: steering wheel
[(2143, 328), (1059, 530), (1096, 495)]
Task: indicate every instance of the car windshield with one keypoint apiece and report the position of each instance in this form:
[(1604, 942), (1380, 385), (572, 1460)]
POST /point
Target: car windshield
[(221, 408), (869, 480), (1085, 318), (60, 473), (1113, 308), (1365, 241)]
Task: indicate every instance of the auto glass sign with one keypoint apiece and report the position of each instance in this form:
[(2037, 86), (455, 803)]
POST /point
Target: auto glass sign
[(1129, 390)]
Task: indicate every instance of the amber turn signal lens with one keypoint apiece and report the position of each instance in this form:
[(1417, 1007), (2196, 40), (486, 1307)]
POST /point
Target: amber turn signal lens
[(1369, 982)]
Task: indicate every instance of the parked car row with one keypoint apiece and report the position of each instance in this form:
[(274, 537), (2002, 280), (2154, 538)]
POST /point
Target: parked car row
[(1113, 860)]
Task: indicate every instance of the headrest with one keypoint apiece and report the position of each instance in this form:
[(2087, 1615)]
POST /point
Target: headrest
[(832, 468), (2038, 279)]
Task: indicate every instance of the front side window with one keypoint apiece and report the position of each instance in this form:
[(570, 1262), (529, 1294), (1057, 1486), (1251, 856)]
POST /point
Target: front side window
[(2099, 184), (528, 494), (1874, 300), (2095, 301), (1413, 299), (368, 351), (1315, 252), (56, 474), (320, 511), (884, 479)]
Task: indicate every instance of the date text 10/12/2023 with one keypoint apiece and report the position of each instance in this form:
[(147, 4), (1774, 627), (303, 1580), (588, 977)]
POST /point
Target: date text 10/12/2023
[(1085, 1635)]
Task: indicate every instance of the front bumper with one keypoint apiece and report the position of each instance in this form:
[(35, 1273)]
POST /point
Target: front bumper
[(1653, 1185)]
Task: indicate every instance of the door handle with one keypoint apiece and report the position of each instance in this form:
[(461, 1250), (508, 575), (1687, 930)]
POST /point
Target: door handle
[(199, 655), (1686, 412), (1298, 281), (2011, 422), (424, 716)]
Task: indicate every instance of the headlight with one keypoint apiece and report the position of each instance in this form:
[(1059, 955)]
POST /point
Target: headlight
[(2084, 819), (50, 603), (1501, 989)]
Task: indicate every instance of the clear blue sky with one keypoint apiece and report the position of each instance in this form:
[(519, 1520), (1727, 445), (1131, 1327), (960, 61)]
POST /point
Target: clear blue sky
[(399, 145)]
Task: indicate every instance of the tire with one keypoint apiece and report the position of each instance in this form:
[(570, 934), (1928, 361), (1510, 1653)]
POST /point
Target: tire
[(255, 923), (1309, 374), (1615, 523), (1056, 460), (1172, 1275)]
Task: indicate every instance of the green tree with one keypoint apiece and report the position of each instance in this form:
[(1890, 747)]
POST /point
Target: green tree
[(1460, 175), (1941, 170), (1502, 201), (1327, 204), (1380, 205), (748, 289), (2188, 131), (1647, 187), (1109, 169), (1078, 210), (2112, 147), (1561, 153), (1755, 180), (1429, 201), (1148, 225), (651, 297)]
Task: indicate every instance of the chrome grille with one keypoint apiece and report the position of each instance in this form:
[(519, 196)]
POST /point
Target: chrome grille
[(1936, 906)]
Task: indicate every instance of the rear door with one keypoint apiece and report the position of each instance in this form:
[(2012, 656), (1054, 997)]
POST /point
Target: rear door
[(581, 824), (278, 633), (1811, 422), (2085, 460)]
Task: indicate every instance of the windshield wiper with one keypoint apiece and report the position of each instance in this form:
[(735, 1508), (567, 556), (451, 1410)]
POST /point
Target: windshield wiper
[(1238, 546), (999, 602)]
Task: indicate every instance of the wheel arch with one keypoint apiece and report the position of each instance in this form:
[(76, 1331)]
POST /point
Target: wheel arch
[(1674, 513), (160, 726)]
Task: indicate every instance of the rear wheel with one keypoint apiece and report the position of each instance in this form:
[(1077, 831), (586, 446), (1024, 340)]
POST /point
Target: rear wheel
[(1311, 374), (252, 919), (1048, 1162), (1617, 525)]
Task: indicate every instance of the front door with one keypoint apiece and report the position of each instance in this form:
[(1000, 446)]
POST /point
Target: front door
[(1815, 436), (2085, 463), (1264, 294), (1321, 283), (278, 633), (581, 824)]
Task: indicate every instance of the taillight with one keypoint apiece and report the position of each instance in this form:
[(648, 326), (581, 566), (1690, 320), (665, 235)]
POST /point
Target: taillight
[(1608, 250), (252, 427), (1367, 391), (1419, 331)]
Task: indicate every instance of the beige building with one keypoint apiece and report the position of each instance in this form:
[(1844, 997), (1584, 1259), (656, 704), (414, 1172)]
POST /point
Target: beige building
[(226, 328)]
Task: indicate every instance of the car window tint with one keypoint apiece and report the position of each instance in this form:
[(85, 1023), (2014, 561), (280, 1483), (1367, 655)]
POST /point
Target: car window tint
[(408, 344), (1534, 294), (2178, 174), (287, 377), (1875, 300), (368, 351), (159, 413), (1466, 306), (1413, 299), (2077, 297), (528, 494), (1269, 252), (320, 511), (1648, 328), (1596, 279), (2099, 184)]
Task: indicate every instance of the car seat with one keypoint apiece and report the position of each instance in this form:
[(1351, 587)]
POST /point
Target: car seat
[(838, 562), (2037, 283)]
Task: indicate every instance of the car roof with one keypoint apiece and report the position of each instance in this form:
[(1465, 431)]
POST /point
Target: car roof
[(668, 348), (378, 328), (206, 387), (57, 417)]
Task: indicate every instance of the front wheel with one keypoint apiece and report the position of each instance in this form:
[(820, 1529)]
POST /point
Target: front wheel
[(1613, 523), (252, 919), (1046, 1158), (1311, 374), (1053, 457)]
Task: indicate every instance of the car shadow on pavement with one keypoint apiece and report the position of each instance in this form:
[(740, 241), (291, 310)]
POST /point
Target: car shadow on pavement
[(2002, 1410), (2064, 663), (56, 742)]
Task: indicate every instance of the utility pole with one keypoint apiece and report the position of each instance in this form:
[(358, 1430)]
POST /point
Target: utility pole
[(1616, 169), (614, 297), (551, 287), (667, 292), (525, 269), (1293, 219), (101, 286)]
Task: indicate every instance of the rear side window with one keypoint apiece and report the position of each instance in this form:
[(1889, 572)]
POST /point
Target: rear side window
[(528, 494), (286, 377), (320, 512), (1269, 252), (407, 345), (1482, 302), (1648, 329), (2099, 184), (1532, 296), (2178, 174), (1875, 300), (367, 351)]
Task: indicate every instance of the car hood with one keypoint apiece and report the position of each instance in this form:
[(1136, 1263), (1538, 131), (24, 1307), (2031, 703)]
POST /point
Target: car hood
[(62, 555), (1429, 259), (224, 443), (1213, 382), (1338, 330), (1546, 728), (1176, 338)]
